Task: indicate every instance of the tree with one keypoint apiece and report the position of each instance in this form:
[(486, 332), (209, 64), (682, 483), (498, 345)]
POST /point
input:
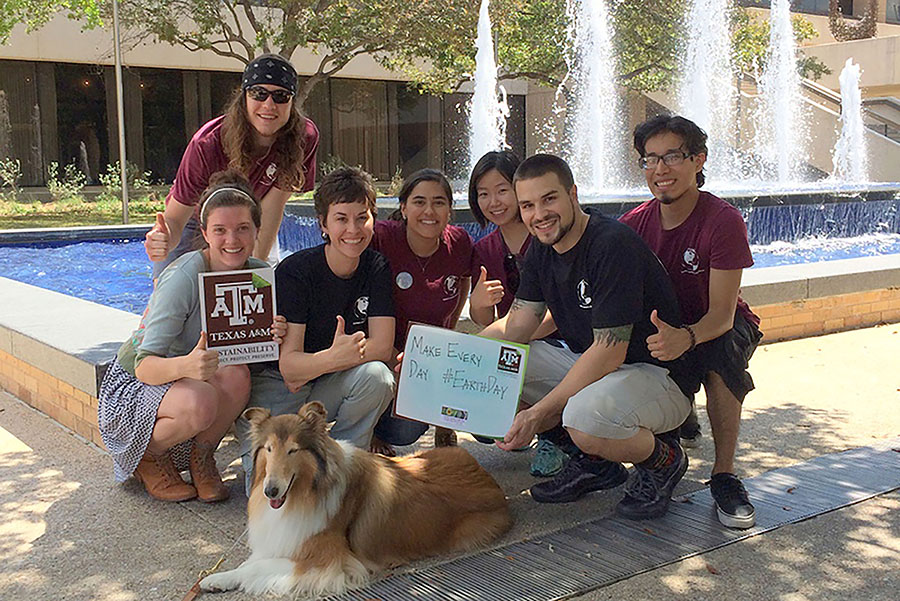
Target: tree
[(750, 45), (843, 31), (33, 14), (399, 34)]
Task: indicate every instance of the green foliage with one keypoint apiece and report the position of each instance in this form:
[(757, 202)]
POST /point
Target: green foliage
[(112, 181), (330, 163), (10, 174), (33, 14), (750, 44), (69, 186)]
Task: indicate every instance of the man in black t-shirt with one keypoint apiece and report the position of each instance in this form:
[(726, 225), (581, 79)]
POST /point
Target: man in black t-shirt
[(601, 283), (338, 301)]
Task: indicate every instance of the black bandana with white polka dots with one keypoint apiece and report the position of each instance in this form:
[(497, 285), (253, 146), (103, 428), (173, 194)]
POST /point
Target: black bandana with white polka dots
[(270, 69)]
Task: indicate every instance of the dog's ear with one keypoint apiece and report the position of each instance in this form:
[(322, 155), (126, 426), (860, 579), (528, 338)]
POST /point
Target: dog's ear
[(314, 413), (257, 415)]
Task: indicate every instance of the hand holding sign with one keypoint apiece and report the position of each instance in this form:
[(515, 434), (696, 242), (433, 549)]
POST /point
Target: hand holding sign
[(668, 343), (486, 293), (201, 363), (524, 427), (156, 241), (279, 328), (347, 350)]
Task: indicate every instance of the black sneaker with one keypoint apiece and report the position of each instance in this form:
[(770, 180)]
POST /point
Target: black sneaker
[(732, 502), (580, 476), (689, 432), (648, 492)]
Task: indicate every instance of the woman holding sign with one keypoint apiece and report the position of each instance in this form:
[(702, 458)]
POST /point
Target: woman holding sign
[(165, 403), (263, 135), (431, 262)]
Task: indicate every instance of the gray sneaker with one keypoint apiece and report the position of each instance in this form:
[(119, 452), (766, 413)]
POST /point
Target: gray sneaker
[(648, 492)]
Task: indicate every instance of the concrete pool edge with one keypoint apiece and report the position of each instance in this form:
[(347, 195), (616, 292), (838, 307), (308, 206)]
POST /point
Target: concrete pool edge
[(54, 348)]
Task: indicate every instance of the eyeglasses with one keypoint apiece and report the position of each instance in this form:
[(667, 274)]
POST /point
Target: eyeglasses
[(675, 157), (260, 94), (511, 267)]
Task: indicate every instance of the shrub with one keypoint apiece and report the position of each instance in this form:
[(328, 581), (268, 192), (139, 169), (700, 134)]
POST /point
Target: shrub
[(71, 184), (112, 181), (10, 174)]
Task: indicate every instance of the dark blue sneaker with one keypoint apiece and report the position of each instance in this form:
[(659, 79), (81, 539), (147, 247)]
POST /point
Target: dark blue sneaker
[(689, 432), (648, 492), (581, 475), (732, 501)]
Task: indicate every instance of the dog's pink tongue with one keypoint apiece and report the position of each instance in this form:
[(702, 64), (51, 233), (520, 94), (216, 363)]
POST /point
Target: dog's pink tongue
[(276, 503)]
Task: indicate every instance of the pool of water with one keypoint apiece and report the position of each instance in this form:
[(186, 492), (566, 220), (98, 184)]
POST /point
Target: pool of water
[(116, 273)]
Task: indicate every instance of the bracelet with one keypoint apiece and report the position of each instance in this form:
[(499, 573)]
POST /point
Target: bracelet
[(693, 336)]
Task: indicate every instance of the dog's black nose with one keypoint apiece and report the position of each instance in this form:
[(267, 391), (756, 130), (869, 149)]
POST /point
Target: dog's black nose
[(272, 491)]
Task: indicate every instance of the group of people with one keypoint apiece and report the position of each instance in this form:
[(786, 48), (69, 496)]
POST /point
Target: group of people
[(625, 319)]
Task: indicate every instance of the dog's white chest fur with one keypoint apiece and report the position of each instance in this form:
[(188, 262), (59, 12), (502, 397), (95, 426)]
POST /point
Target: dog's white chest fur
[(280, 533)]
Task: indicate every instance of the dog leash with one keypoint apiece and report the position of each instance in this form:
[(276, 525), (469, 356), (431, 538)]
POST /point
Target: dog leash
[(195, 590)]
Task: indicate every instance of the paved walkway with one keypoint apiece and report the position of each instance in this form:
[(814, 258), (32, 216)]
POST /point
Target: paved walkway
[(68, 532)]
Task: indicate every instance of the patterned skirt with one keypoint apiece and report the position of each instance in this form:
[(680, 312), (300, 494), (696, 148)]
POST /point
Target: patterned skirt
[(126, 414)]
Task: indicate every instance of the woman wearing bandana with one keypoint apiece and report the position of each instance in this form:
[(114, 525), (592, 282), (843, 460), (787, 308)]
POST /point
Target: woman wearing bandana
[(264, 136)]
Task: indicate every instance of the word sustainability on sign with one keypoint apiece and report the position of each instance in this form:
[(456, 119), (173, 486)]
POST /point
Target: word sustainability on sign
[(460, 381), (238, 311)]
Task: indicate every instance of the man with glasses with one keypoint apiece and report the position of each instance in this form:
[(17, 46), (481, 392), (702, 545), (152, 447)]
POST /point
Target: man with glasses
[(702, 241)]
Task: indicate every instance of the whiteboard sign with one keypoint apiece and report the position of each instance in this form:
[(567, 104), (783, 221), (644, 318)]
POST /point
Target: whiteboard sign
[(460, 381)]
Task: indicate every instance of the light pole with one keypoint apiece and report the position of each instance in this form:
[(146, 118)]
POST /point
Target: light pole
[(120, 107)]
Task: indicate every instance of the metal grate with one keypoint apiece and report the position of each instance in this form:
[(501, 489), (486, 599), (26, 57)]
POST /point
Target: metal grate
[(598, 553)]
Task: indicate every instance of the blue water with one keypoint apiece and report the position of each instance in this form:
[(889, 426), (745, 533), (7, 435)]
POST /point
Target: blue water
[(117, 273)]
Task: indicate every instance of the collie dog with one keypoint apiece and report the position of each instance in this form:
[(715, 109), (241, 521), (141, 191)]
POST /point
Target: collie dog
[(323, 515)]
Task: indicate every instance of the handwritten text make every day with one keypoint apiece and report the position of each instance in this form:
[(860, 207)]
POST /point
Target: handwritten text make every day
[(454, 378)]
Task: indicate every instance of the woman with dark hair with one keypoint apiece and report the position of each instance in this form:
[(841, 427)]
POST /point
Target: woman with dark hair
[(165, 403), (492, 198), (431, 262), (262, 135)]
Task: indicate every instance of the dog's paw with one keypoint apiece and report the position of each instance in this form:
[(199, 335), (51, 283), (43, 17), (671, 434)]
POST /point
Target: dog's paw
[(217, 583)]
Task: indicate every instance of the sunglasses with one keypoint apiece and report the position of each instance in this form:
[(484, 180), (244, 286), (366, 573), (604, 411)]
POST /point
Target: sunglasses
[(261, 94)]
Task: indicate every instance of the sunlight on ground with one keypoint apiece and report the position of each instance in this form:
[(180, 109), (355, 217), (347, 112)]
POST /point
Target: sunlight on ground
[(26, 494)]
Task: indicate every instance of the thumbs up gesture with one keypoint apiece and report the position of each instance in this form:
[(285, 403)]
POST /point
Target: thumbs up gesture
[(485, 293), (668, 343), (347, 350), (156, 241), (201, 363)]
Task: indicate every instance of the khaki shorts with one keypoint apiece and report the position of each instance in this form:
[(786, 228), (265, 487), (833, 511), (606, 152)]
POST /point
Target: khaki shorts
[(636, 395)]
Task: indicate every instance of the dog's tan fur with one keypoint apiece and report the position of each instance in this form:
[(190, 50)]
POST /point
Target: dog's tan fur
[(348, 513)]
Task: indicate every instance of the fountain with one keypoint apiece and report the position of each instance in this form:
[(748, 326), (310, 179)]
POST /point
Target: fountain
[(850, 150), (708, 95), (781, 130), (597, 143), (487, 114)]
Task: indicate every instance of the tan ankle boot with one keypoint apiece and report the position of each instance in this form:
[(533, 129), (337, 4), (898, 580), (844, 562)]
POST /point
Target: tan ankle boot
[(205, 475), (444, 437), (158, 475)]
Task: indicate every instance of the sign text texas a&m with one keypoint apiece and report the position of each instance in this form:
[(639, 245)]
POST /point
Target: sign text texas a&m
[(238, 308)]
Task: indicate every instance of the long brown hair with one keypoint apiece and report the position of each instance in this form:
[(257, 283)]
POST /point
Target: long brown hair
[(288, 151)]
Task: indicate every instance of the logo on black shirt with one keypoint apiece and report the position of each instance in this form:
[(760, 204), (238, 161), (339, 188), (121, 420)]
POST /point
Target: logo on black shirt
[(450, 288), (510, 359), (583, 289), (361, 309)]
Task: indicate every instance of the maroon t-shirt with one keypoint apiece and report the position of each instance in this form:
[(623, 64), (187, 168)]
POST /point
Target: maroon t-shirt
[(204, 156), (491, 251), (713, 236), (426, 290)]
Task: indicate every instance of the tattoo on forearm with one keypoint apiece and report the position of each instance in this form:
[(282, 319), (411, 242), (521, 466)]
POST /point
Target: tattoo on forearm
[(538, 308), (610, 336)]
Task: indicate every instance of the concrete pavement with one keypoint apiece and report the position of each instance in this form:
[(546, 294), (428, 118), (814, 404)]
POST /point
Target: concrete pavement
[(69, 532)]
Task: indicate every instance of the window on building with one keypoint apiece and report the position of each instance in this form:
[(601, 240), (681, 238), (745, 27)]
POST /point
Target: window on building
[(893, 11), (20, 120), (359, 120), (162, 108), (82, 118)]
